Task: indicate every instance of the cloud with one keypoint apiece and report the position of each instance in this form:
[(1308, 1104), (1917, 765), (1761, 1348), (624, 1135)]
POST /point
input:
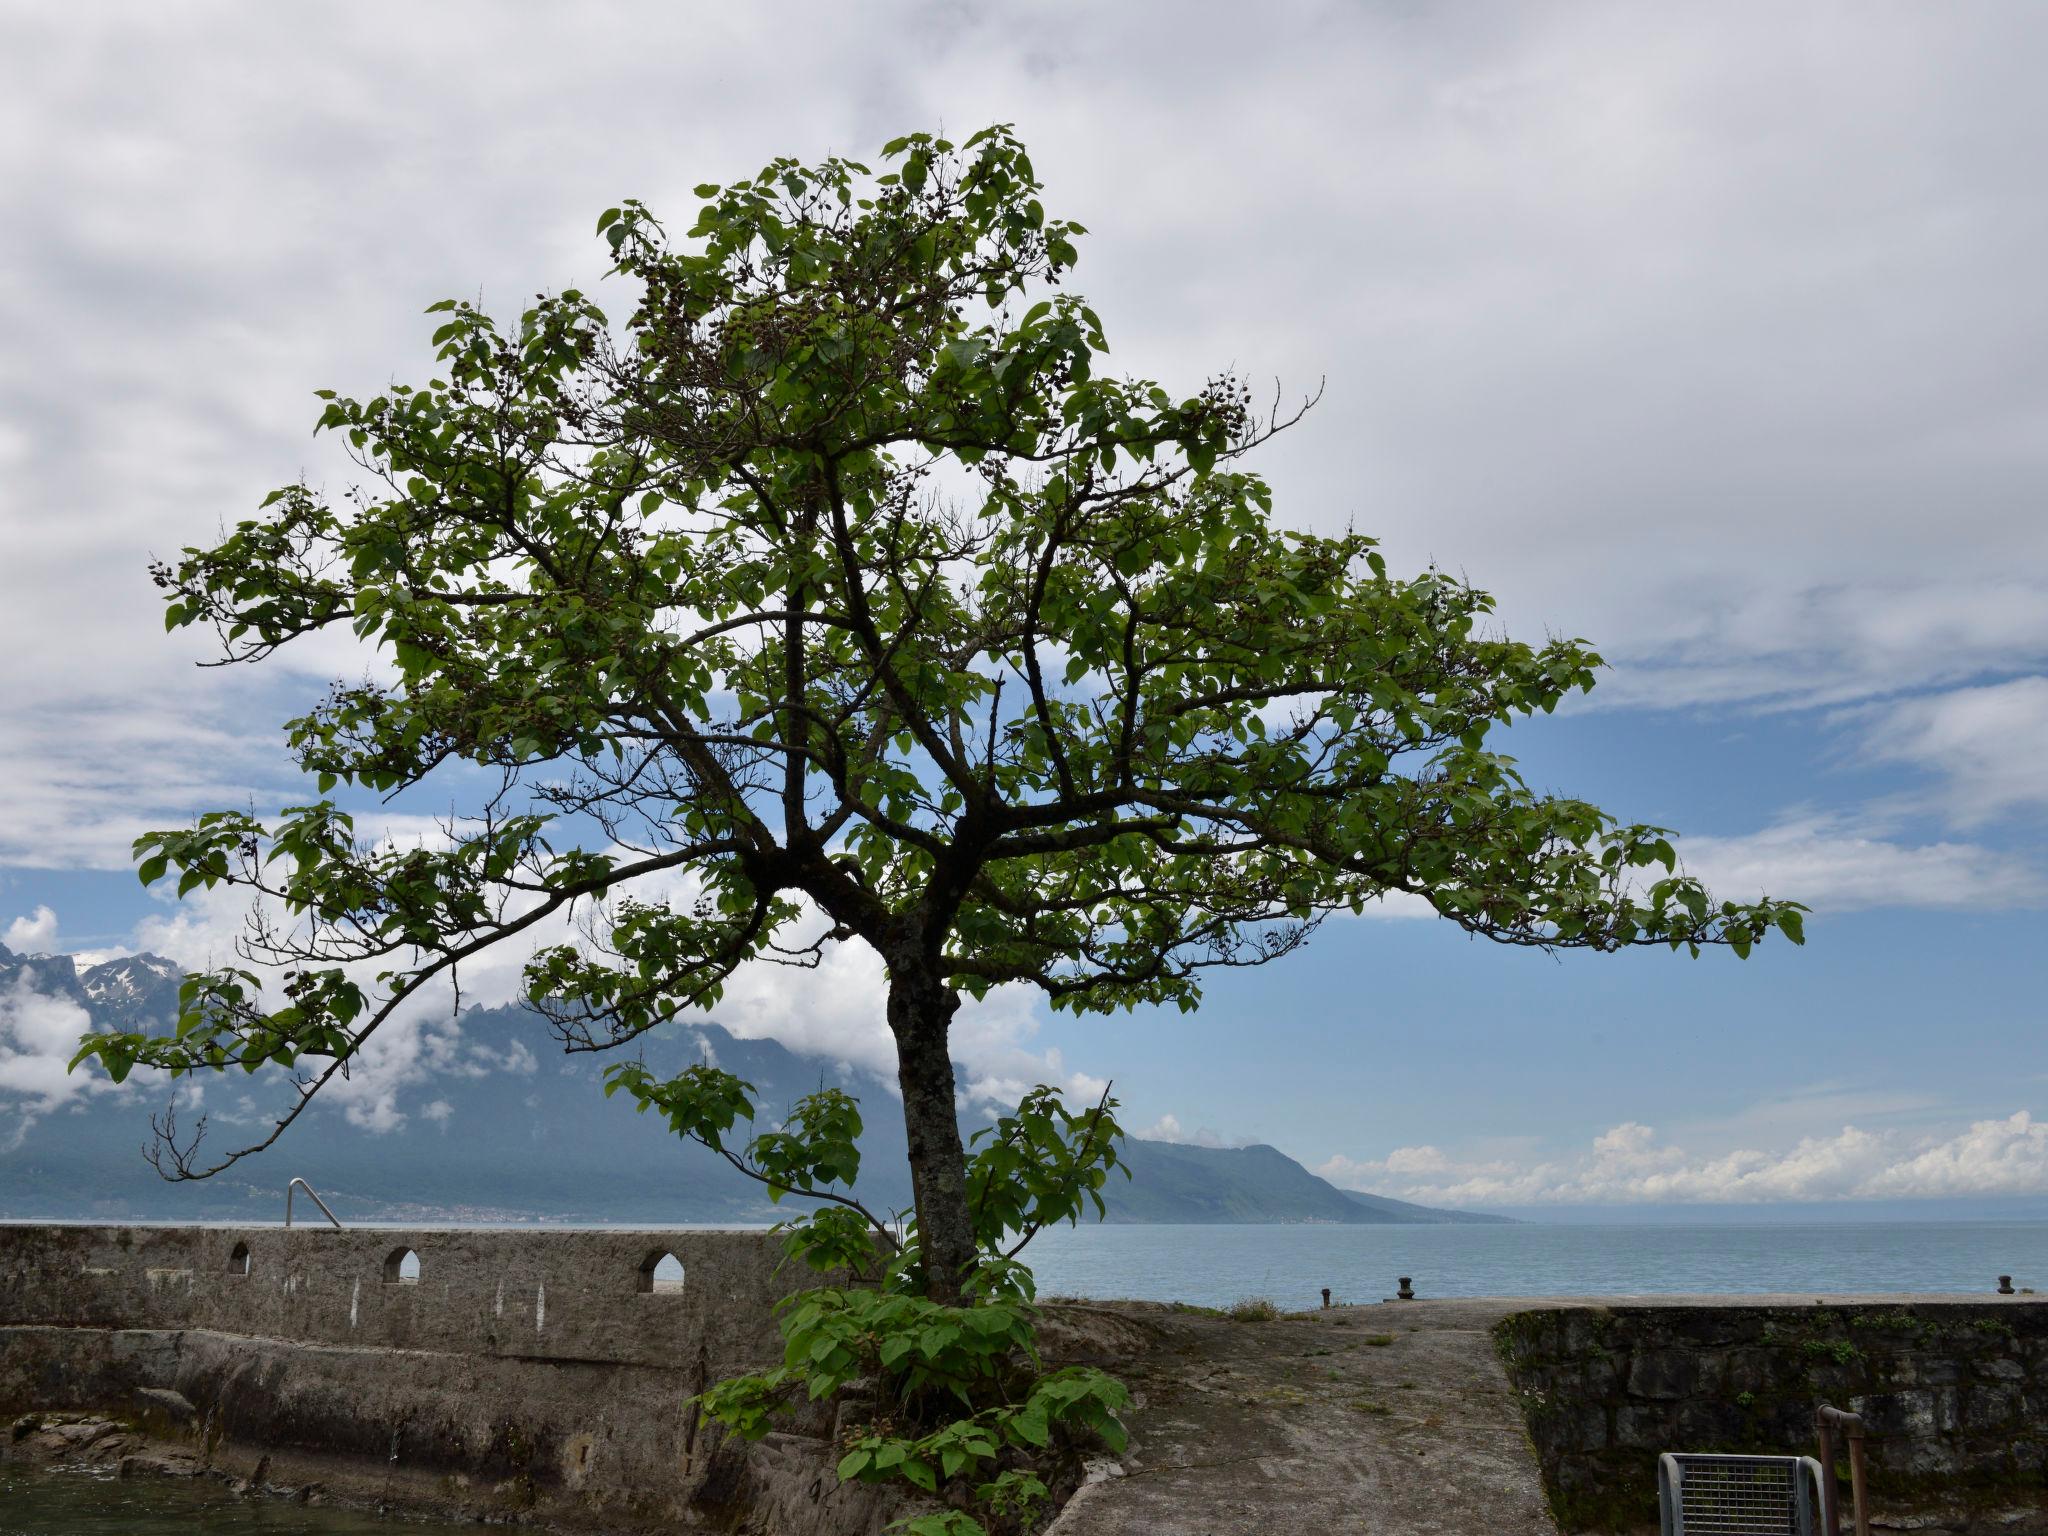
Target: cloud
[(1774, 646), (1835, 866), (1628, 1164), (1746, 392), (839, 1010), (1988, 744), (1169, 1128), (1395, 906), (39, 1033), (88, 775), (34, 934), (836, 1010), (1993, 1157)]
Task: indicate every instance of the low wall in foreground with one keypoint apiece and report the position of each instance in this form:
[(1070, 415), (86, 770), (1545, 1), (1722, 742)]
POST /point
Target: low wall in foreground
[(1953, 1392), (542, 1372), (544, 1375)]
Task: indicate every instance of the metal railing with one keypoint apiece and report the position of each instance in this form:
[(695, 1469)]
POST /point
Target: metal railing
[(298, 1184), (1714, 1495), (1826, 1421)]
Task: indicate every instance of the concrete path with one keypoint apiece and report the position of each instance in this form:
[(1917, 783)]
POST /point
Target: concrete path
[(1391, 1420)]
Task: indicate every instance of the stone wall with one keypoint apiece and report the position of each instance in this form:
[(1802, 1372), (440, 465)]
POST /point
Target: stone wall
[(521, 1372), (1954, 1394)]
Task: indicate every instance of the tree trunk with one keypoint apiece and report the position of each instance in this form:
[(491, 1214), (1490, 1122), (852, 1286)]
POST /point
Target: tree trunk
[(921, 1012)]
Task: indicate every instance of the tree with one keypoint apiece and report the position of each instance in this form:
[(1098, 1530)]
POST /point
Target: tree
[(840, 583)]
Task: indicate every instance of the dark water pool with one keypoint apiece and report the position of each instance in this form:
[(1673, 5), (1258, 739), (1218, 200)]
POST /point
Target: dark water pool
[(94, 1502)]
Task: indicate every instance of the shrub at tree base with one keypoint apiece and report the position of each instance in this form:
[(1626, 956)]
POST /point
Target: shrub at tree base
[(960, 1403)]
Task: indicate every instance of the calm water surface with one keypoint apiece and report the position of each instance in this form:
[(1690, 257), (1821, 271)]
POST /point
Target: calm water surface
[(1214, 1266), (96, 1503)]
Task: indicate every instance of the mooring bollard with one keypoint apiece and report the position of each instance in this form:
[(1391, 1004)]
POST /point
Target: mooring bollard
[(2005, 1286), (1326, 1298), (1407, 1291)]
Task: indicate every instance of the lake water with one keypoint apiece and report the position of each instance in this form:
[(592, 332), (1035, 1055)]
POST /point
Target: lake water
[(1214, 1266)]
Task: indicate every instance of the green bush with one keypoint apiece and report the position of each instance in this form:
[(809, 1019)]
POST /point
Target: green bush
[(966, 1411)]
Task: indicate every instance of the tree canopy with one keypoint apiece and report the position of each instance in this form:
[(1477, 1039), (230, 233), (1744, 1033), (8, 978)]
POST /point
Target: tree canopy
[(842, 582)]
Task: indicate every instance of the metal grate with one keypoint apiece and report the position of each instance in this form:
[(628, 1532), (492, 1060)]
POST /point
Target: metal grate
[(1737, 1495)]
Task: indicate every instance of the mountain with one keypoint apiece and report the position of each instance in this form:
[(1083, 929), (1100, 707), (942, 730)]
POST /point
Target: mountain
[(1386, 1209), (134, 992), (471, 1121), (1174, 1181)]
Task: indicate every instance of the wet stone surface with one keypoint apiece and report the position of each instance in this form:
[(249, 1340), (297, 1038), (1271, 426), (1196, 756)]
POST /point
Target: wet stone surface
[(78, 1475)]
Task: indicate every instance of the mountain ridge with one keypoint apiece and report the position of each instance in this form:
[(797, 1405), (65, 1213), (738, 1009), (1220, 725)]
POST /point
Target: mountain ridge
[(492, 1136)]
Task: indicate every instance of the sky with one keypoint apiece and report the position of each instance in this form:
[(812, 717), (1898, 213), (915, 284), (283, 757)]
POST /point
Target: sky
[(1714, 335)]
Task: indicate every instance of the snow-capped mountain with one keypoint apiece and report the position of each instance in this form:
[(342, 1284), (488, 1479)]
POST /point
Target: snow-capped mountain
[(136, 991), (486, 1122)]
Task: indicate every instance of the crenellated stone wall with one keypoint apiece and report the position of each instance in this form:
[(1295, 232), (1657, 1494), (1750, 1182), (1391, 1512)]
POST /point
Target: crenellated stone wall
[(1954, 1393)]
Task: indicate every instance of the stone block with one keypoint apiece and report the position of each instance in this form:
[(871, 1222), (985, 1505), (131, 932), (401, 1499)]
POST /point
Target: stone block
[(1918, 1458), (1755, 1368), (1646, 1424), (1948, 1412), (1898, 1414), (1711, 1422), (1990, 1406), (1664, 1374), (163, 1413)]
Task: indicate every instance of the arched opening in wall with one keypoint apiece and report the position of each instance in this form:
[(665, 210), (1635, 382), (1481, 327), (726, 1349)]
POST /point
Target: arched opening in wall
[(238, 1261), (663, 1272), (402, 1267)]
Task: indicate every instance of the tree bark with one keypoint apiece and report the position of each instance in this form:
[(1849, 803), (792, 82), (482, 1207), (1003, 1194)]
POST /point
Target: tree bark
[(921, 1009)]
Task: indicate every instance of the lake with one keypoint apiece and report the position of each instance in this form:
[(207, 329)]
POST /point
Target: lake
[(1215, 1265)]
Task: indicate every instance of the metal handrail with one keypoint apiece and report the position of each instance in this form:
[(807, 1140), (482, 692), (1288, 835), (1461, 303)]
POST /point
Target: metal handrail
[(1826, 1421), (297, 1184)]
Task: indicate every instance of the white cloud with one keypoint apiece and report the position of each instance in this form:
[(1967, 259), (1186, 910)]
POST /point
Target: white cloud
[(1628, 1164), (1746, 394), (837, 1010), (1993, 1157), (39, 1034), (34, 934), (1396, 906), (1169, 1128), (1834, 865), (1989, 744), (87, 776), (1765, 643)]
